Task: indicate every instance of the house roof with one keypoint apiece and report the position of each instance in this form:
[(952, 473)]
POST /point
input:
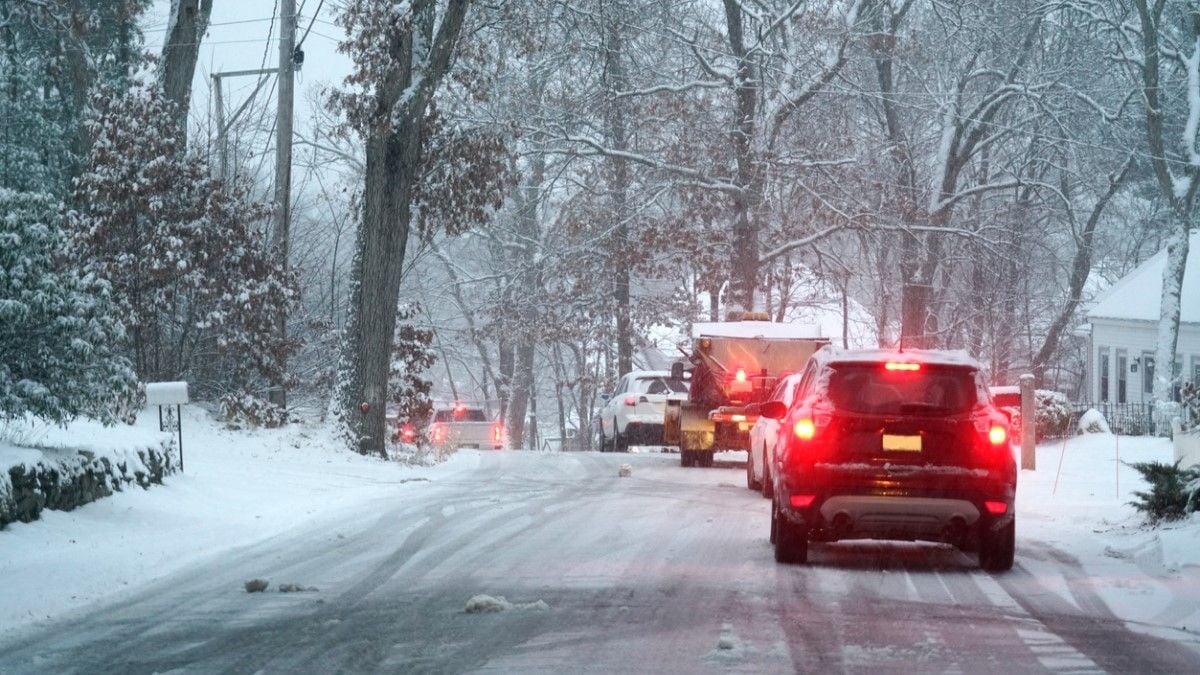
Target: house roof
[(1136, 296)]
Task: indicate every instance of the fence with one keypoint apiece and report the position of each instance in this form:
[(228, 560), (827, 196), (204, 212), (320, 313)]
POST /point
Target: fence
[(1127, 419)]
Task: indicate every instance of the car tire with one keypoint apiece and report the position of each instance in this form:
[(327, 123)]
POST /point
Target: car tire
[(998, 549), (774, 521), (767, 487), (791, 540), (751, 484), (620, 440)]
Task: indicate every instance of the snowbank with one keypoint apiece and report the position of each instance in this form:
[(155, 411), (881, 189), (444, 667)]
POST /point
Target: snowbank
[(43, 466)]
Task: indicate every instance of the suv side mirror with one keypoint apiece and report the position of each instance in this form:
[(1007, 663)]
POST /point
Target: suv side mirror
[(677, 370), (772, 409)]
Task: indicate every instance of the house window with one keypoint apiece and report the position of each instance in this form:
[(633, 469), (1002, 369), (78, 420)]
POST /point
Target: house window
[(1122, 375), (1102, 368), (1147, 373)]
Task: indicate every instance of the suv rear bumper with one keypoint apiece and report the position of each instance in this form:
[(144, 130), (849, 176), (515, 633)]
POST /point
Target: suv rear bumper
[(642, 433), (951, 515)]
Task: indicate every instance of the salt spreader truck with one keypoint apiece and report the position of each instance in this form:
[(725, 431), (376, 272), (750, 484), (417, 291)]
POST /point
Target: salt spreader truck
[(734, 364)]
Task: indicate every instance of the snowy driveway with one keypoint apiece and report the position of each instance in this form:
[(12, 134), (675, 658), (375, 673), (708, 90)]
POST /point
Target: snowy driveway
[(665, 571)]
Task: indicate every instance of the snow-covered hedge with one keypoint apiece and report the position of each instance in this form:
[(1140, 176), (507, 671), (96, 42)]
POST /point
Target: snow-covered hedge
[(64, 478)]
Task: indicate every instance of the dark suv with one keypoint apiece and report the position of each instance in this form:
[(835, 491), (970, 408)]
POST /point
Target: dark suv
[(893, 445)]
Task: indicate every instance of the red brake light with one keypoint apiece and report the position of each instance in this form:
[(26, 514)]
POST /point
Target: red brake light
[(997, 435), (439, 434), (801, 501), (995, 508), (804, 429), (459, 408), (741, 375), (630, 400), (902, 366), (408, 433)]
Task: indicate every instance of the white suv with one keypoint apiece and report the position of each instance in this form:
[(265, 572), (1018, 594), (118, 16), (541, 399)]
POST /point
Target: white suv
[(633, 415)]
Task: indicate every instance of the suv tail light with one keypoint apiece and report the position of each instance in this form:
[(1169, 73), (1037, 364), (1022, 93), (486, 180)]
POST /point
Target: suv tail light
[(407, 432), (631, 400), (805, 429), (497, 433), (438, 433), (997, 435)]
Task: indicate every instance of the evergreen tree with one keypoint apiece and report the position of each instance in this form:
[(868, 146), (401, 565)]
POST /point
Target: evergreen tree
[(58, 339)]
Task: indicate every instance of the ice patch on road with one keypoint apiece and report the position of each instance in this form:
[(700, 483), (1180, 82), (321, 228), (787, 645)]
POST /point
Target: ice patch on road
[(481, 604)]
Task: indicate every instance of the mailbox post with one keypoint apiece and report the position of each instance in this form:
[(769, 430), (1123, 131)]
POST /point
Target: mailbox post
[(165, 395), (1028, 424)]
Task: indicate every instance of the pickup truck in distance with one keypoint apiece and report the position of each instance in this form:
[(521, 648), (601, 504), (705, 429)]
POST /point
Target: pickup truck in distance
[(463, 427)]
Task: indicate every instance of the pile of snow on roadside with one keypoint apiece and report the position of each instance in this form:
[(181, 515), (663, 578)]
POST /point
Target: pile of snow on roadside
[(480, 604)]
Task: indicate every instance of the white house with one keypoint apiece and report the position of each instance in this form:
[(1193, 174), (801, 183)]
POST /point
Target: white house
[(1124, 331)]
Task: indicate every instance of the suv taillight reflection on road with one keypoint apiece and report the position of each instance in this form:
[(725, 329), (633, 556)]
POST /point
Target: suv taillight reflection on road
[(889, 445)]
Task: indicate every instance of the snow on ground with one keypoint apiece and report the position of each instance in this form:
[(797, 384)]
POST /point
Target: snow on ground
[(1078, 501), (244, 487), (238, 488)]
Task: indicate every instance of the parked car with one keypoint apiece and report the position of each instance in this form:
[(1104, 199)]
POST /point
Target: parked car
[(633, 414), (1052, 410), (763, 437), (464, 427), (893, 445)]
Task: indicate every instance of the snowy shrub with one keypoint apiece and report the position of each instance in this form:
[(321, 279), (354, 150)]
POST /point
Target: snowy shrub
[(1172, 492), (58, 338), (245, 410), (193, 281), (1189, 401), (408, 391), (257, 585), (1093, 422)]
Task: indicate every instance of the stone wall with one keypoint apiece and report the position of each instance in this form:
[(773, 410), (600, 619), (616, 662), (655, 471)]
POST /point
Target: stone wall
[(65, 480)]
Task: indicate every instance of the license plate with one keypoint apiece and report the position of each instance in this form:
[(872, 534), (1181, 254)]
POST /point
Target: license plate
[(897, 443)]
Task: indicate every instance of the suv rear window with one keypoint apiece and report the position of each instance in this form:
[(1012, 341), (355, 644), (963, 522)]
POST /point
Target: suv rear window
[(869, 388), (660, 385), (465, 415)]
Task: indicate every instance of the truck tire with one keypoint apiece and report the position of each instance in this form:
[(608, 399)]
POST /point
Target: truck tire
[(705, 458)]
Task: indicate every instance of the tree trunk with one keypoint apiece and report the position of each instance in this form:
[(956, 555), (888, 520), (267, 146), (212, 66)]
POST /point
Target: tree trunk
[(186, 24), (395, 137), (744, 263), (518, 407), (620, 255)]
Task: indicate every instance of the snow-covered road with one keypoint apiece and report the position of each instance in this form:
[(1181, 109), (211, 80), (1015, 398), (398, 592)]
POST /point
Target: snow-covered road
[(668, 570)]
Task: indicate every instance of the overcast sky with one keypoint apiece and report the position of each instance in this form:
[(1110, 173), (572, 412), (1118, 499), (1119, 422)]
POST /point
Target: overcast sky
[(237, 39)]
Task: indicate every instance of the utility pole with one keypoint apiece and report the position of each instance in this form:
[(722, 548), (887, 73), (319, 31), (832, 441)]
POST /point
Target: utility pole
[(283, 164)]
